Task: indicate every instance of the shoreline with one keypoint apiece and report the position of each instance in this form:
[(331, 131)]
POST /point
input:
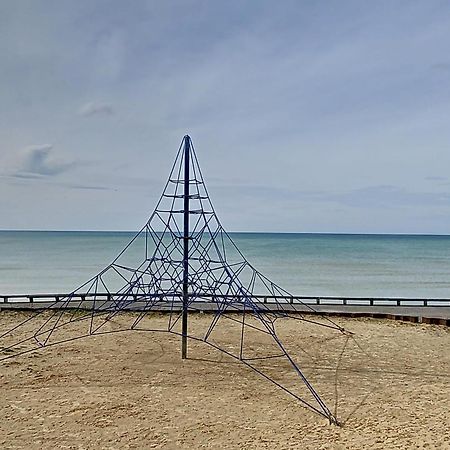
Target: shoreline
[(436, 315)]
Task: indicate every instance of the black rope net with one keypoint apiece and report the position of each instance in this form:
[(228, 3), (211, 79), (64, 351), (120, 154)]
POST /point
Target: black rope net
[(147, 279)]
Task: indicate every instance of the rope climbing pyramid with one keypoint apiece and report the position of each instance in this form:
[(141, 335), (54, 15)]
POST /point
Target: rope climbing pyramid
[(183, 261)]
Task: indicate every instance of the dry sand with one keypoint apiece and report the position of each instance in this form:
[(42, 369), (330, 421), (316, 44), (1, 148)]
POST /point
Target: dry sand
[(390, 387)]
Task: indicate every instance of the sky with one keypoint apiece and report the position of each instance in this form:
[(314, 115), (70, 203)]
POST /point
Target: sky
[(306, 116)]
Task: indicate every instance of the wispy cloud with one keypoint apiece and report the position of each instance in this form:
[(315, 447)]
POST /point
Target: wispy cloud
[(389, 197), (88, 187), (445, 66), (96, 109), (39, 161), (384, 196), (436, 178)]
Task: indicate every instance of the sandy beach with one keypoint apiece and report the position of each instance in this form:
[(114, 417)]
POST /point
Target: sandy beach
[(389, 385)]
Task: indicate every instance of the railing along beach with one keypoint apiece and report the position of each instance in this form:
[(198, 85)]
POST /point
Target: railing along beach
[(208, 298)]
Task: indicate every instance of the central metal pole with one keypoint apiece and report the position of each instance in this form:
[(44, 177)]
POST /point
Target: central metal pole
[(184, 324)]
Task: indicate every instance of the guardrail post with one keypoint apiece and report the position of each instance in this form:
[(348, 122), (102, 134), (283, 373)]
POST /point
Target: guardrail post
[(291, 301), (371, 302), (30, 299), (265, 300), (5, 299), (425, 303), (317, 301), (399, 302), (344, 301)]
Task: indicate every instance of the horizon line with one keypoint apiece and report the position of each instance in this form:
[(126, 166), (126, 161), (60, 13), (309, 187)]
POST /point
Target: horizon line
[(333, 233)]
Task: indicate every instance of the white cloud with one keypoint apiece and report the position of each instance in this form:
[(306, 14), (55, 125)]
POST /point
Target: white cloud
[(39, 161), (94, 109)]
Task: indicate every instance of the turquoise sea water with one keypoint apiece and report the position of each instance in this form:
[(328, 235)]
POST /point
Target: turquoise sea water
[(303, 264)]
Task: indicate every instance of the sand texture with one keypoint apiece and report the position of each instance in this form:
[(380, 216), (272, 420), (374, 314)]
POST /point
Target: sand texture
[(389, 385)]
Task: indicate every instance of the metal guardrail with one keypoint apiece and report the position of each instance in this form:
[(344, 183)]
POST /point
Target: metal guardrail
[(307, 300)]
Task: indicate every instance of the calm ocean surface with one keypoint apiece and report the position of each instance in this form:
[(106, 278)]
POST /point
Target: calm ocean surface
[(303, 264)]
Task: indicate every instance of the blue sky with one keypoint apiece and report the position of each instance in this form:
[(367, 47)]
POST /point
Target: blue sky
[(306, 116)]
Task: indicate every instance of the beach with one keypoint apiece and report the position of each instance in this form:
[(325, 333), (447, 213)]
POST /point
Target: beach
[(388, 385), (225, 225)]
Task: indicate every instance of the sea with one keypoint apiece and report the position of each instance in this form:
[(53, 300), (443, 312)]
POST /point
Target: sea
[(348, 265)]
